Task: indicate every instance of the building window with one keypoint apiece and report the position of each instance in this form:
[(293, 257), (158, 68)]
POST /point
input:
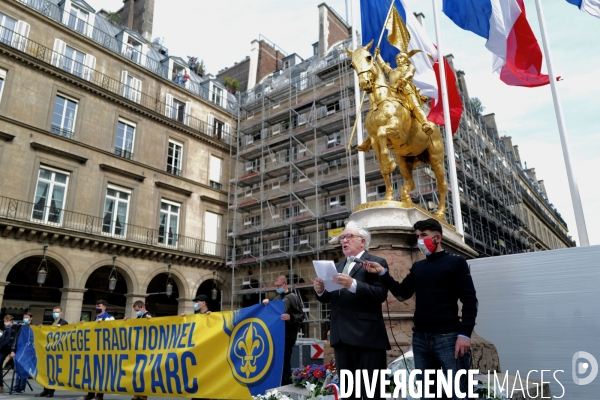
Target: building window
[(134, 50), (63, 117), (2, 78), (13, 32), (78, 20), (215, 172), (178, 110), (116, 209), (212, 232), (174, 157), (132, 87), (336, 201), (8, 26), (333, 140), (217, 95), (73, 61), (50, 195), (125, 138), (180, 75), (221, 130), (169, 223)]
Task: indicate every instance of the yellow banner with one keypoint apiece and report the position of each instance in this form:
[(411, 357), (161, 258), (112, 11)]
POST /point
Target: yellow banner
[(228, 355)]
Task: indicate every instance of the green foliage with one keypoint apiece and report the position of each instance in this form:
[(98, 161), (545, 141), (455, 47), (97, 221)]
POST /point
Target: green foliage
[(476, 105), (232, 85)]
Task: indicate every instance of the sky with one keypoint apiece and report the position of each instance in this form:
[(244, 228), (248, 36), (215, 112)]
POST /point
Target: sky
[(220, 32)]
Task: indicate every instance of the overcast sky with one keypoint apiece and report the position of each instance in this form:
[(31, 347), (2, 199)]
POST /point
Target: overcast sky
[(220, 32)]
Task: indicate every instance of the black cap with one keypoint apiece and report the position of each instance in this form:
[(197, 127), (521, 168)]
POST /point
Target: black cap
[(201, 297)]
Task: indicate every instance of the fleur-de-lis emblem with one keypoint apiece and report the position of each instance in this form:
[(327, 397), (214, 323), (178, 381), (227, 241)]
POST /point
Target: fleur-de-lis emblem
[(252, 345)]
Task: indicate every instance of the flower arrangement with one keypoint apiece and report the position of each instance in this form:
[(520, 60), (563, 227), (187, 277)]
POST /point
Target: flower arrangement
[(273, 394), (314, 377)]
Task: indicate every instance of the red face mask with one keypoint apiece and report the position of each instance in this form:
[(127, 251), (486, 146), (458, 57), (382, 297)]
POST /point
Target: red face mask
[(426, 245)]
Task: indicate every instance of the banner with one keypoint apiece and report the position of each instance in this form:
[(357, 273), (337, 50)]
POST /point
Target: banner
[(224, 355)]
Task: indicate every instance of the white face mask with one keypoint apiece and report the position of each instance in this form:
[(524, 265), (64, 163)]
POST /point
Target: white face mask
[(7, 324)]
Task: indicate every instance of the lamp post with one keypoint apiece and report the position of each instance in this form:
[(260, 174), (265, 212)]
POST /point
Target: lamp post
[(112, 278), (169, 290), (42, 271)]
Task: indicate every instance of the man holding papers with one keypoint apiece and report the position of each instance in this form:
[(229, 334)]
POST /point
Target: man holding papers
[(358, 333)]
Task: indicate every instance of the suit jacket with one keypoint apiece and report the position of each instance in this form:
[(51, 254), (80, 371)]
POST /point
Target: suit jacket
[(357, 318)]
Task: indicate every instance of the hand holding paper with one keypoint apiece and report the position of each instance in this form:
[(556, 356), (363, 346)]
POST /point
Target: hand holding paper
[(326, 271)]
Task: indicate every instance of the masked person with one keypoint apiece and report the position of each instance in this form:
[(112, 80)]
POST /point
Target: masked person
[(441, 339), (5, 342), (101, 315), (293, 317), (20, 382), (139, 308), (58, 321)]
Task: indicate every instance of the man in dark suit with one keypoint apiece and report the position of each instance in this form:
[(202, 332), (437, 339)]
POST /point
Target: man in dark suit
[(358, 333)]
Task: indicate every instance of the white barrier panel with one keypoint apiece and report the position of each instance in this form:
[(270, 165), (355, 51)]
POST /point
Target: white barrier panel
[(542, 311)]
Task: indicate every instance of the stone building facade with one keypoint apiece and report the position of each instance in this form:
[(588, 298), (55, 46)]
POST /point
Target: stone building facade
[(113, 157)]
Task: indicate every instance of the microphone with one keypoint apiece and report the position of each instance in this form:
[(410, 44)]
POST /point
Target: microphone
[(357, 260)]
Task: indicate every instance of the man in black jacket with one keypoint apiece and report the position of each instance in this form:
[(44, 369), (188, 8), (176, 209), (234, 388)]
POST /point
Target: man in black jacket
[(358, 333), (57, 314), (5, 343), (441, 339), (293, 317)]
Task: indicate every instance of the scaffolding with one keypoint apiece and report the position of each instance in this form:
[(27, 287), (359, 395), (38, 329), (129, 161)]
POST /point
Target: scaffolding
[(294, 185)]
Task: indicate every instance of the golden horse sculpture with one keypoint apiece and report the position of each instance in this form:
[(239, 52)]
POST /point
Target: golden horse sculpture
[(393, 128)]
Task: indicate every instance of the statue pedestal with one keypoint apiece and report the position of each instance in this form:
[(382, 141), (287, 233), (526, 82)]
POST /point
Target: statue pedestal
[(393, 238)]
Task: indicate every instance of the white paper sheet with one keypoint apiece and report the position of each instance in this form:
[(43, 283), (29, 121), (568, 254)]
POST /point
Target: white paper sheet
[(326, 271)]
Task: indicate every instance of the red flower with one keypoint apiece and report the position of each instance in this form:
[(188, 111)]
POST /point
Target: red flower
[(318, 373)]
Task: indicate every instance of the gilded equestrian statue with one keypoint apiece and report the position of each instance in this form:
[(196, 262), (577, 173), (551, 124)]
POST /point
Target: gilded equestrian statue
[(396, 123)]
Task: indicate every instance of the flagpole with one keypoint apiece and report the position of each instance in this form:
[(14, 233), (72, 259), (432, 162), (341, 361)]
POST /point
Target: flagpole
[(562, 130), (358, 123), (458, 224)]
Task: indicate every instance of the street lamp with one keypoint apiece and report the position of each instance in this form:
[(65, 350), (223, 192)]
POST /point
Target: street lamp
[(42, 271), (213, 292), (112, 278), (169, 284)]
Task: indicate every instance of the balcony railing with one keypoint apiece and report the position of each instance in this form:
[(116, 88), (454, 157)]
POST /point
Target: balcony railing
[(114, 86), (123, 153), (20, 210), (111, 43), (57, 130), (173, 170)]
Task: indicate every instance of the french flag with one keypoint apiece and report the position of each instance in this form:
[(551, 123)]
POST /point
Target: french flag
[(517, 55), (427, 77), (591, 7)]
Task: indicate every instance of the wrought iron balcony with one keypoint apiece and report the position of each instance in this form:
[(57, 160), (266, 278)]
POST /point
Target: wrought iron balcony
[(110, 42), (123, 153), (51, 216), (172, 170), (97, 78)]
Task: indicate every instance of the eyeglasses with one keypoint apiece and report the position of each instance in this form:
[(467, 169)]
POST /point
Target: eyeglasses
[(279, 286), (347, 236)]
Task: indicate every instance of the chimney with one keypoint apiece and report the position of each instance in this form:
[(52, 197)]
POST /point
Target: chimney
[(332, 29), (462, 84), (450, 59), (490, 121), (138, 15), (517, 155)]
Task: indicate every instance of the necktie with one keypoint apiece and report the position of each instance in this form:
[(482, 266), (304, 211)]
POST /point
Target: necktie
[(349, 261)]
